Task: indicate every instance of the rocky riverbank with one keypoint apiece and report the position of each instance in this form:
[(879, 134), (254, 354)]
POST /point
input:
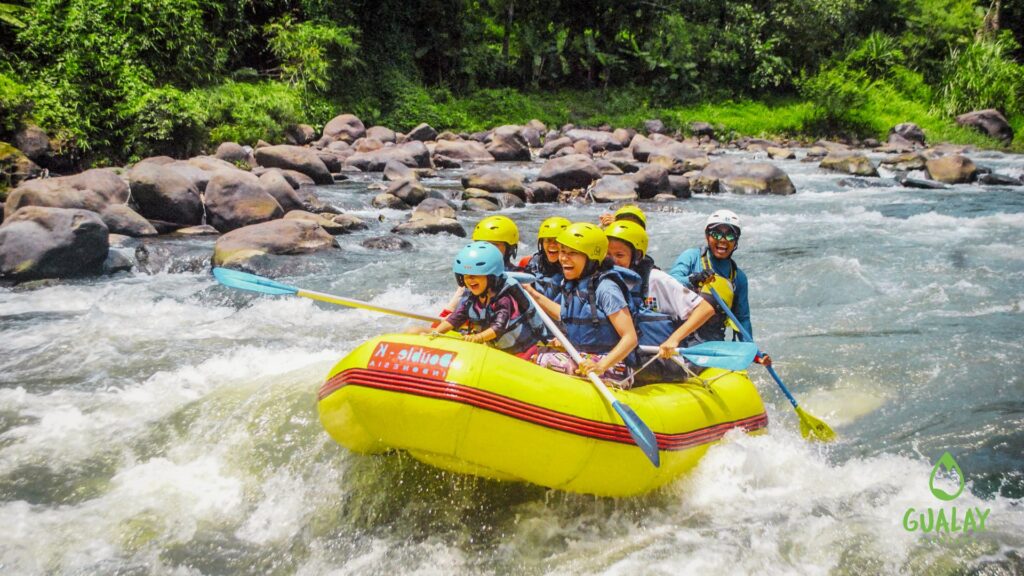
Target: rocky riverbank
[(262, 201)]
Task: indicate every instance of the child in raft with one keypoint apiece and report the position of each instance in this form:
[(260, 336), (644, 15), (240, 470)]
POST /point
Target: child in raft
[(503, 233), (544, 265), (593, 305), (491, 309)]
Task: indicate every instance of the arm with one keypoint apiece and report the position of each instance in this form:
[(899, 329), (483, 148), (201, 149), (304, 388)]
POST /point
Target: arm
[(622, 321), (450, 306), (485, 336), (687, 263), (551, 308), (695, 320)]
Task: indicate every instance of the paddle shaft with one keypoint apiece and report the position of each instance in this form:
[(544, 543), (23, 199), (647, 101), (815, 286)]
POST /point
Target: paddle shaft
[(746, 336), (360, 304)]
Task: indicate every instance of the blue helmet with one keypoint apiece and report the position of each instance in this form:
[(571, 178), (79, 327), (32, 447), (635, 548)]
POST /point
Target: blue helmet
[(479, 259)]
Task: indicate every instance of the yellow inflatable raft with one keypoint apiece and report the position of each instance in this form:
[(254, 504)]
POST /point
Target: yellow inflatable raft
[(472, 409)]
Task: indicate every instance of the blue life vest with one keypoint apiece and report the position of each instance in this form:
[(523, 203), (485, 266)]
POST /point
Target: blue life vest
[(525, 328), (548, 276), (586, 326)]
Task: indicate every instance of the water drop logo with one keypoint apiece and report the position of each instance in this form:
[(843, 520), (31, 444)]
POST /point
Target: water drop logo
[(946, 462), (943, 522)]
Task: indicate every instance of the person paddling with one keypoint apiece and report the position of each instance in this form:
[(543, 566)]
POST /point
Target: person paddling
[(593, 304), (713, 266), (503, 233), (544, 263), (493, 311)]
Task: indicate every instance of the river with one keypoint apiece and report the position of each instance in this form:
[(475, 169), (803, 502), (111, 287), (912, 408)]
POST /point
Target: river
[(163, 424)]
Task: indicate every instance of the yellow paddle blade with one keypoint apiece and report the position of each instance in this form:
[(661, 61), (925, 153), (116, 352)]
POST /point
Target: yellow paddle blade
[(813, 428)]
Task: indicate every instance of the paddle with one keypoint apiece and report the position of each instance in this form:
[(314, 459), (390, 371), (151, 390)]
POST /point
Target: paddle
[(254, 283), (641, 433), (726, 355), (809, 425)]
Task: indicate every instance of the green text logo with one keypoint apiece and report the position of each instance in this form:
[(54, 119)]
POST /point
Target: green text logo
[(946, 522)]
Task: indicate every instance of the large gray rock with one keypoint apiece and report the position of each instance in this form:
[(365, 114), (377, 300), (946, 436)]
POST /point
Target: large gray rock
[(236, 154), (345, 127), (569, 172), (199, 177), (726, 175), (554, 145), (381, 133), (120, 219), (91, 190), (434, 207), (279, 237), (395, 170), (389, 243), (299, 134), (990, 122), (35, 144), (15, 166), (905, 161), (541, 192), (614, 189), (413, 154), (954, 169), (422, 223), (164, 194), (335, 225), (599, 141), (678, 158), (848, 162), (385, 200), (506, 144), (410, 192), (304, 160), (651, 180), (909, 132), (274, 182), (466, 151), (495, 180), (43, 242), (235, 199), (423, 133)]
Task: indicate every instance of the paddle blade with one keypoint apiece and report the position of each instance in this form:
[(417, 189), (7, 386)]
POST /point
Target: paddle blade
[(813, 428), (251, 282), (642, 435), (726, 355)]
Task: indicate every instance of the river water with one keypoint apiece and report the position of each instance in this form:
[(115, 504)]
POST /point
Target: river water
[(162, 424)]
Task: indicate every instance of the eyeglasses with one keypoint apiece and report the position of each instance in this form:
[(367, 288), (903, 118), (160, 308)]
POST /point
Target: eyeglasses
[(729, 236)]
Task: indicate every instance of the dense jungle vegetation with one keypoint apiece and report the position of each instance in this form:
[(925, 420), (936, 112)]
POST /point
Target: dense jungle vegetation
[(116, 80)]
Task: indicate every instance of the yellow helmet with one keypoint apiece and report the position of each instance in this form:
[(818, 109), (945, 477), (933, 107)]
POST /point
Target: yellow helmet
[(634, 211), (552, 227), (586, 238), (721, 285), (497, 229), (629, 232)]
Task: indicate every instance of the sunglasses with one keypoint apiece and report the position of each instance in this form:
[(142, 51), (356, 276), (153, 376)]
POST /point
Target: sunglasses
[(727, 236)]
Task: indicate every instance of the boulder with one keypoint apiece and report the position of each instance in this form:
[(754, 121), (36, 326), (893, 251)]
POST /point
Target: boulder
[(423, 133), (394, 170), (954, 169), (34, 143), (506, 144), (654, 126), (410, 192), (194, 174), (120, 219), (923, 183), (597, 140), (303, 160), (91, 190), (726, 175), (385, 200), (367, 145), (506, 200), (162, 193), (332, 160), (854, 163), (990, 122), (702, 129), (996, 179), (578, 147), (44, 242), (909, 132), (442, 161), (614, 189), (345, 127), (275, 184), (554, 145), (650, 181), (15, 166), (299, 134), (413, 154), (540, 192), (495, 180), (677, 158), (569, 172), (680, 186), (389, 243), (905, 161), (236, 199), (607, 168), (381, 133), (434, 207), (279, 237), (531, 136), (425, 224), (337, 224), (466, 151), (201, 230), (480, 204), (776, 153)]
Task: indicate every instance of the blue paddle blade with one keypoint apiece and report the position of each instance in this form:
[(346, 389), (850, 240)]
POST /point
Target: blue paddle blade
[(251, 282), (725, 355), (641, 434)]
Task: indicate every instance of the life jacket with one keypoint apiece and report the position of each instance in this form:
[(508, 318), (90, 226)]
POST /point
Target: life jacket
[(525, 328), (652, 327), (586, 326), (548, 276), (714, 328)]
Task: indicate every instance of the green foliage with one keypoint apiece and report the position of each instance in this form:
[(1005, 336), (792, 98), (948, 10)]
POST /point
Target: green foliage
[(247, 112), (933, 27), (310, 52), (837, 95), (166, 121), (14, 104), (11, 15), (982, 75), (877, 55)]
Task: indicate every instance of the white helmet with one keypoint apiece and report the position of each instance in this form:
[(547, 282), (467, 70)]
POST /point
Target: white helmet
[(719, 217)]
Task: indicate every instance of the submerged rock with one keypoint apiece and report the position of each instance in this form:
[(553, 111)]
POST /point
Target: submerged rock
[(277, 237)]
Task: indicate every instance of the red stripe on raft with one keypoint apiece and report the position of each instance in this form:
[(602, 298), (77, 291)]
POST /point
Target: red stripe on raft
[(431, 388)]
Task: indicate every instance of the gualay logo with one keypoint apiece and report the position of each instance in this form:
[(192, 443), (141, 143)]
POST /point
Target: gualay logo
[(943, 522)]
